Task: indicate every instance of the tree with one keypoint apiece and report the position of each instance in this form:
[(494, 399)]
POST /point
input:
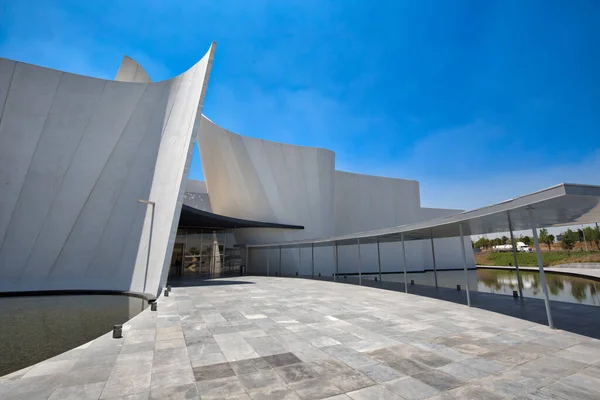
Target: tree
[(549, 241), (543, 235), (526, 240), (592, 235), (504, 240), (580, 235), (569, 238)]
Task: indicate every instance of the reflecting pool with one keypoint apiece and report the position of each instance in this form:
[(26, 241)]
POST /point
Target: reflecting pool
[(35, 328), (561, 287)]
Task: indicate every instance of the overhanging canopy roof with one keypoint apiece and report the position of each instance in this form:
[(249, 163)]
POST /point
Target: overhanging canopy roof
[(193, 218), (560, 205)]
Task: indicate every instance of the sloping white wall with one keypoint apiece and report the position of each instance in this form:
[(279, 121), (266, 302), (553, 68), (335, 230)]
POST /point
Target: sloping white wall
[(75, 154), (366, 202), (131, 71), (266, 181)]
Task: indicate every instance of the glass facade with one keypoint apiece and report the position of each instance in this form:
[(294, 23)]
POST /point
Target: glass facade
[(203, 253)]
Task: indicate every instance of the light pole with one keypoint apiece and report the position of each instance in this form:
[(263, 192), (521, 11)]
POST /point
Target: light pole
[(153, 204)]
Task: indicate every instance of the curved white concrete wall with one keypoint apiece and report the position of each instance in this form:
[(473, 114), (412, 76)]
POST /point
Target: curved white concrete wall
[(366, 202), (131, 71), (266, 181), (75, 154)]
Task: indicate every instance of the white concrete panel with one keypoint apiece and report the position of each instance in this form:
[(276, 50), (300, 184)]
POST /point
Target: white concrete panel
[(88, 149), (266, 181), (30, 95), (131, 71), (364, 202)]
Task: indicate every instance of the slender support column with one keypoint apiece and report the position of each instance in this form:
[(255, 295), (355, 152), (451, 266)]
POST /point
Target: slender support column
[(312, 250), (514, 250), (201, 245), (247, 260), (279, 260), (299, 260), (538, 253), (337, 267), (223, 265), (433, 256), (464, 255), (333, 247), (404, 257), (584, 239), (379, 261), (359, 264)]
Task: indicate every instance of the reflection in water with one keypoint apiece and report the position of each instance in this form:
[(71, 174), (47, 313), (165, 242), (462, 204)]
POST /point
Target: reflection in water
[(561, 287), (33, 329)]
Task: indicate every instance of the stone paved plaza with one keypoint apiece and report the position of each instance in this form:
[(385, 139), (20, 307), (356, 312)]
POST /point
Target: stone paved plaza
[(286, 338)]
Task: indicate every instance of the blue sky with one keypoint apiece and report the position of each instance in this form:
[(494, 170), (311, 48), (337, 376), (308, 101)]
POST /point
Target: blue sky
[(478, 100)]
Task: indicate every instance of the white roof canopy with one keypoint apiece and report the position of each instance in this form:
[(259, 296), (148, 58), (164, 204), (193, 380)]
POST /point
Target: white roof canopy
[(560, 205)]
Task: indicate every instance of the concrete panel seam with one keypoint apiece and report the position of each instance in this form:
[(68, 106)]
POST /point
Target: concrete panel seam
[(61, 182), (96, 182)]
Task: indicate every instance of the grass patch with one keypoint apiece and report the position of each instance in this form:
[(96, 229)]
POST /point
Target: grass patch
[(530, 259)]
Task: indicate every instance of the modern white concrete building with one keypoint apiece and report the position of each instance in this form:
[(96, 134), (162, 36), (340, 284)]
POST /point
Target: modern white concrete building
[(77, 154)]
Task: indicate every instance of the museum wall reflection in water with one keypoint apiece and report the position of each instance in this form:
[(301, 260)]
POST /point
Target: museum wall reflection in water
[(33, 329)]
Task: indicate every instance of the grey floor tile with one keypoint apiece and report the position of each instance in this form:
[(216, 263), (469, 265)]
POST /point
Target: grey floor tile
[(50, 368), (261, 379), (89, 391), (177, 377), (295, 372), (411, 388), (95, 362), (380, 372), (279, 360), (214, 371), (474, 392), (274, 393), (565, 391), (85, 376), (223, 388), (407, 366), (438, 380), (350, 382), (181, 392), (312, 389), (376, 392), (249, 366), (125, 384)]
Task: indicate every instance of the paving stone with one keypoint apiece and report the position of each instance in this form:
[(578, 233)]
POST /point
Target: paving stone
[(125, 384), (89, 391), (50, 368), (410, 388), (95, 362), (223, 388), (438, 380), (261, 379), (407, 366), (249, 366), (380, 372), (180, 392), (376, 392), (312, 389), (274, 393), (295, 372), (177, 377), (215, 371), (279, 360), (474, 392), (86, 376)]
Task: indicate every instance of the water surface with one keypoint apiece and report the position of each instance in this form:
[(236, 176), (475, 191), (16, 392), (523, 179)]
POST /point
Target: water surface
[(35, 328)]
